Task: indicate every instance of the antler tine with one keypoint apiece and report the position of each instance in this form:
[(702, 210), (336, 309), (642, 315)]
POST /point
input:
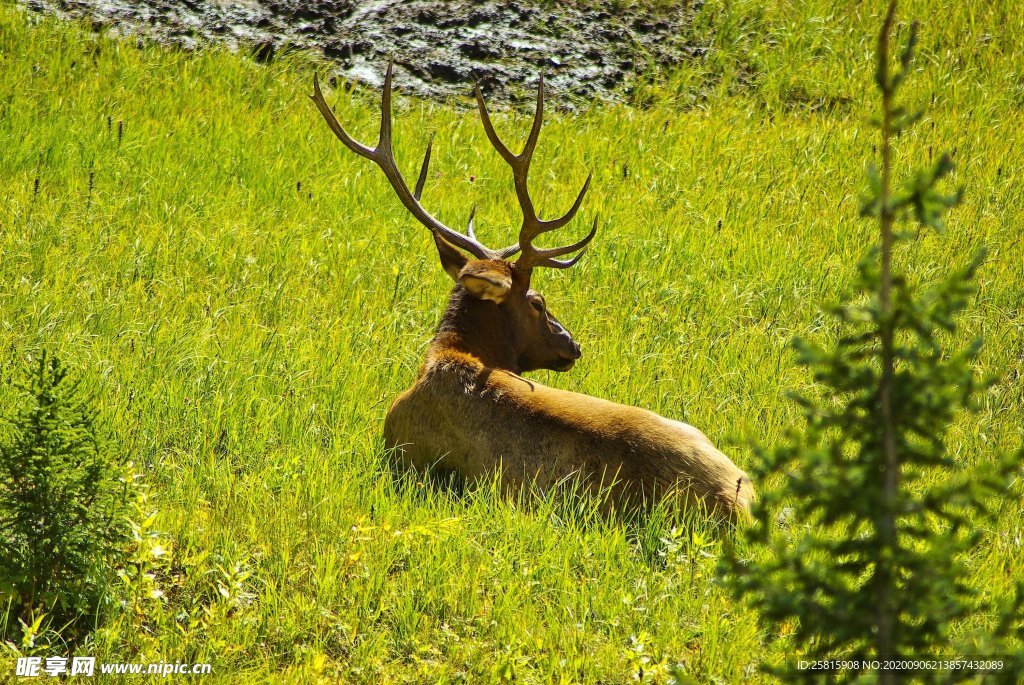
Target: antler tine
[(563, 263), (538, 122), (421, 181), (383, 155), (469, 223), (506, 252), (492, 136), (553, 224), (503, 253), (543, 254), (325, 111), (520, 163), (533, 225), (384, 141)]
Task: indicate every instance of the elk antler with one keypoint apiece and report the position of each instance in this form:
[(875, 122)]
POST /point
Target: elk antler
[(384, 156), (533, 225)]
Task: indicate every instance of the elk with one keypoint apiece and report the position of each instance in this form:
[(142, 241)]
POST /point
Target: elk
[(471, 412)]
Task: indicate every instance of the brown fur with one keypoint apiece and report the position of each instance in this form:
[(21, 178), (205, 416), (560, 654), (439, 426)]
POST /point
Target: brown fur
[(471, 412)]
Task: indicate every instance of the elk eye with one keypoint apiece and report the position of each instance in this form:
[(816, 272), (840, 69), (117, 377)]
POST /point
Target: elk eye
[(538, 305)]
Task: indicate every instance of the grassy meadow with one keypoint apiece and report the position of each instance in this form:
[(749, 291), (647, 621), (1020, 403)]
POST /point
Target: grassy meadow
[(245, 297)]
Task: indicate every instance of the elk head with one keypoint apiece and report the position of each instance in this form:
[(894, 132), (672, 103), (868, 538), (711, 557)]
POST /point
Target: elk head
[(492, 296)]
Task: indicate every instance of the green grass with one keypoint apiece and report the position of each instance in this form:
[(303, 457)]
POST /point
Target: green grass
[(246, 297)]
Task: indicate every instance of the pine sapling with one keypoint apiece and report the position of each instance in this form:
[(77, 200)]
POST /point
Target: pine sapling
[(871, 563), (63, 504)]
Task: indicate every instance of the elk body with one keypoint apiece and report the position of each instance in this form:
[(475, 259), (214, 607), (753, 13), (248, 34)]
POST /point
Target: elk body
[(471, 411)]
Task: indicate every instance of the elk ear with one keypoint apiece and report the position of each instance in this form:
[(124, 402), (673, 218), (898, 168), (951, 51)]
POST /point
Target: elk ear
[(451, 259), (484, 282)]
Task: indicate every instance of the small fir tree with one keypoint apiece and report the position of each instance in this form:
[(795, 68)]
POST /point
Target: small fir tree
[(872, 564), (63, 505)]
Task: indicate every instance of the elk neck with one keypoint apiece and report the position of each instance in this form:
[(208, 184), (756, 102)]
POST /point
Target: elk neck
[(479, 329)]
